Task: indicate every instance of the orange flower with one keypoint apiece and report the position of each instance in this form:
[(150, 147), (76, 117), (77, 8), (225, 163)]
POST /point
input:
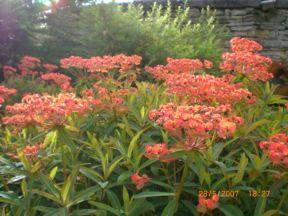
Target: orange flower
[(31, 151), (28, 65), (197, 120), (207, 89), (175, 66), (9, 71), (59, 79), (239, 44), (208, 64), (102, 64), (277, 149), (45, 110), (139, 181), (158, 151), (5, 93), (244, 60), (50, 67), (207, 204)]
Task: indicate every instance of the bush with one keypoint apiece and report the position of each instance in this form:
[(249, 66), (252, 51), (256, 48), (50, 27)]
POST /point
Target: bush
[(87, 29), (155, 35), (188, 144)]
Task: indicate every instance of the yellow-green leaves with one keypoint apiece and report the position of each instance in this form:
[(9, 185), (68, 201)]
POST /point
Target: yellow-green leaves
[(241, 169)]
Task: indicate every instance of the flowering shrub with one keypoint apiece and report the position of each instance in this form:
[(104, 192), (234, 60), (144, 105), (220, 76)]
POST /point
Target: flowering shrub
[(176, 66), (207, 89), (59, 79), (196, 121), (244, 59), (44, 110), (28, 65), (277, 149), (5, 93), (101, 64), (105, 143)]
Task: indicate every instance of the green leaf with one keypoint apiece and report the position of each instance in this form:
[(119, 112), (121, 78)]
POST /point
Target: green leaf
[(51, 139), (260, 207), (49, 186), (85, 212), (36, 167), (140, 207), (123, 177), (270, 213), (105, 207), (142, 111), (165, 185), (133, 142), (47, 196), (241, 169), (114, 201), (24, 188), (255, 125), (230, 210), (68, 184), (170, 208), (45, 209), (152, 194), (6, 197), (147, 163), (24, 161), (126, 199), (91, 174), (113, 166), (83, 195), (53, 173)]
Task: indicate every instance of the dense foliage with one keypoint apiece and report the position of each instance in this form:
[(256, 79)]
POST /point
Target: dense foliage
[(103, 142), (88, 28)]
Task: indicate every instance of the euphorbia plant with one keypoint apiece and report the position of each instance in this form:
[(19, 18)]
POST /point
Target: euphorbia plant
[(188, 143)]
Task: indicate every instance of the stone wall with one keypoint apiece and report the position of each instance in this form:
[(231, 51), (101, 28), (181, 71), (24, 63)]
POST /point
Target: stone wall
[(264, 21)]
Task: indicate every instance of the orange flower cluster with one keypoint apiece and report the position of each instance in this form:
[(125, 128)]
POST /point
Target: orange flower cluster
[(5, 93), (59, 79), (102, 96), (139, 181), (158, 151), (9, 71), (31, 151), (207, 204), (45, 110), (239, 44), (28, 65), (196, 120), (76, 62), (245, 60), (103, 64), (177, 66), (50, 67), (277, 149), (208, 64), (207, 89)]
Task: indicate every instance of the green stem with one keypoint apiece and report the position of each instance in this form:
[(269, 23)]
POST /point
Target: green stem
[(181, 185), (63, 160)]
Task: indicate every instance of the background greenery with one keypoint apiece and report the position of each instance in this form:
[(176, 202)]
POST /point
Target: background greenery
[(87, 28)]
